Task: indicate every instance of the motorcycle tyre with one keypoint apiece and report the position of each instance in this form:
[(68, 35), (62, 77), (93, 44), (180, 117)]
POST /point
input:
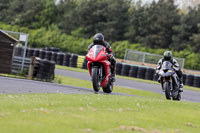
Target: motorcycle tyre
[(167, 90), (95, 80), (108, 88), (178, 98)]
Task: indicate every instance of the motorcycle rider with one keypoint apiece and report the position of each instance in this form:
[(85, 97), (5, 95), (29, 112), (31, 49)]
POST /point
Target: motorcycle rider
[(98, 39), (167, 56)]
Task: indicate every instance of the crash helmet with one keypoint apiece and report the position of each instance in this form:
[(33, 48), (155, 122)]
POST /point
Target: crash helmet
[(98, 38), (167, 55)]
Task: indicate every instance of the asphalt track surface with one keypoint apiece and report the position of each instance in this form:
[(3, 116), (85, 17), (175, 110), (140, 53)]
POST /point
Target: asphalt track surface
[(187, 95), (23, 86)]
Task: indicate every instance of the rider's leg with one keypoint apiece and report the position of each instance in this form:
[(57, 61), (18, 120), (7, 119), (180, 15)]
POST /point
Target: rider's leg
[(113, 69), (179, 73)]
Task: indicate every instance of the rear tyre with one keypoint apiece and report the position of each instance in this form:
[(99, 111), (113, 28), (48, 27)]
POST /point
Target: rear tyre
[(178, 98), (108, 88), (167, 90), (95, 79)]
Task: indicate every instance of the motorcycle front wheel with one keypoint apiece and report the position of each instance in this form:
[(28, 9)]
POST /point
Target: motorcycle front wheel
[(166, 87), (95, 79)]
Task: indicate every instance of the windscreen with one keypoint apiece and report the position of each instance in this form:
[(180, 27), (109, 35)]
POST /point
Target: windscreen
[(96, 49), (167, 65)]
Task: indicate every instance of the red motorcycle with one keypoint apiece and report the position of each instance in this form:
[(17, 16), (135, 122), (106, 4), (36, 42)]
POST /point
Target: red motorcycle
[(99, 68)]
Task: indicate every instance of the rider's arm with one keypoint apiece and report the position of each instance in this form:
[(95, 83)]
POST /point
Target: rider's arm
[(158, 66), (176, 65), (108, 47)]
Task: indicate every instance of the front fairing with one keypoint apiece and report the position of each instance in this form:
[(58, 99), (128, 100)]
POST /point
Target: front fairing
[(167, 69), (97, 53), (166, 73)]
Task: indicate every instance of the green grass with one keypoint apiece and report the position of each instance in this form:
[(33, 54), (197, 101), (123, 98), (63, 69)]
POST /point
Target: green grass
[(13, 76), (88, 84), (123, 77), (62, 113), (96, 113), (71, 69)]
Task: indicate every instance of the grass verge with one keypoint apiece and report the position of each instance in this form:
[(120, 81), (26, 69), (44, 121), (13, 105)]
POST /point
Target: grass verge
[(88, 84), (123, 77), (13, 76), (71, 69), (61, 113)]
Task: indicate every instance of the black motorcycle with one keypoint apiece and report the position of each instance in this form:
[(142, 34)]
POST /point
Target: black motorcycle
[(170, 81)]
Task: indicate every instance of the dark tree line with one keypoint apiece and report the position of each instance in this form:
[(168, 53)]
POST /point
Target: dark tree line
[(157, 25)]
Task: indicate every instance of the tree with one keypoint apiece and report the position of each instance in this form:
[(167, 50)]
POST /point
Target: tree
[(138, 23), (153, 25), (185, 4), (186, 32), (109, 17)]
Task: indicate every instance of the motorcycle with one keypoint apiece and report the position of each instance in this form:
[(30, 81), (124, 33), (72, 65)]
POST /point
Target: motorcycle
[(170, 81), (99, 69)]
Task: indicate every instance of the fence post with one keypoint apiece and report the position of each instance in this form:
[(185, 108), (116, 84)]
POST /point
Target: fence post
[(31, 68), (125, 54), (144, 56)]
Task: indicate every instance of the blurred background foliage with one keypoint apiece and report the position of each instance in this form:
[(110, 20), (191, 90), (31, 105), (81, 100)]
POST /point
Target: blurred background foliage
[(70, 25)]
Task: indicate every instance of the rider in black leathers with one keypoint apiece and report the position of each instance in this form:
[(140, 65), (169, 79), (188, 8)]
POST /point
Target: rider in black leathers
[(98, 39), (167, 56)]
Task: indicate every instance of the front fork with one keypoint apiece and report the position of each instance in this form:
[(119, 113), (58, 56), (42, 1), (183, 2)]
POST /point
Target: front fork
[(170, 81)]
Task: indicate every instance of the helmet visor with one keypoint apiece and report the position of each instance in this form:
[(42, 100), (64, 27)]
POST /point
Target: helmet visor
[(167, 58)]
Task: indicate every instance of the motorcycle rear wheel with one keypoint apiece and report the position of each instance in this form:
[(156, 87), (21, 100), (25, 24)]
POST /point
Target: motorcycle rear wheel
[(167, 90), (178, 98), (108, 88), (95, 79)]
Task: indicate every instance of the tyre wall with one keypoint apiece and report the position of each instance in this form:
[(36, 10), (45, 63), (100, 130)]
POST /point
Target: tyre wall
[(73, 60)]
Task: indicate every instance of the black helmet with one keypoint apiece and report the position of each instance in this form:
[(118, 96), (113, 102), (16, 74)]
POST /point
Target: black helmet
[(168, 55), (98, 38)]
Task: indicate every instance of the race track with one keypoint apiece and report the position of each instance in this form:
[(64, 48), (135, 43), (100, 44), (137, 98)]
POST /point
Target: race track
[(23, 86), (187, 95)]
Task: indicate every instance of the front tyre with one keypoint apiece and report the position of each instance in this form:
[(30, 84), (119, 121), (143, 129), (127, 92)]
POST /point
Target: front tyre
[(166, 87), (95, 79)]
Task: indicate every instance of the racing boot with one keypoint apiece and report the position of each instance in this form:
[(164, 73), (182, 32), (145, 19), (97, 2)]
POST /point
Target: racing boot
[(181, 85), (113, 73), (159, 79)]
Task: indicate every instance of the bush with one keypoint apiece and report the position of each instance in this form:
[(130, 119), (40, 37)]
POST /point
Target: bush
[(53, 37)]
